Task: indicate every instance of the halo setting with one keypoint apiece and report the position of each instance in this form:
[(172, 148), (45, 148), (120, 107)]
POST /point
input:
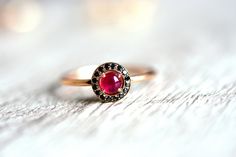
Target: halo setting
[(110, 82)]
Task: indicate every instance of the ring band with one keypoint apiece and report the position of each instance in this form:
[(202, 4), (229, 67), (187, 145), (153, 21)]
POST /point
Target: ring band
[(110, 81)]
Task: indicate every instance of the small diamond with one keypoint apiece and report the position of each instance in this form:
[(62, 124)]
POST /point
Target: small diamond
[(112, 65), (94, 87), (107, 66), (100, 69), (119, 68), (94, 80), (127, 78), (102, 97), (96, 74), (97, 92)]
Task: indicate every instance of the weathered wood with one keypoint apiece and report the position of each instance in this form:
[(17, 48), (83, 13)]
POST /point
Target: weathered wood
[(188, 110)]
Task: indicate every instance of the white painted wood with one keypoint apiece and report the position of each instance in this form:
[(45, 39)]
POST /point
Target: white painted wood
[(188, 110)]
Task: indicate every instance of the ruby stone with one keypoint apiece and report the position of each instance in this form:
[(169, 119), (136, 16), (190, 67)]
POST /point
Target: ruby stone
[(110, 82)]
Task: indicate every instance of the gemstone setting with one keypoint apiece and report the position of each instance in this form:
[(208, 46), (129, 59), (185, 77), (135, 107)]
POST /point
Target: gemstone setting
[(110, 82)]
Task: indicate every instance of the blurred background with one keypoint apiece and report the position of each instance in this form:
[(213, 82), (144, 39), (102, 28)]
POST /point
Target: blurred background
[(92, 31), (192, 41), (59, 35)]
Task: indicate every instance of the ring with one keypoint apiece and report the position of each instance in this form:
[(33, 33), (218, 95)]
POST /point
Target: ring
[(110, 81)]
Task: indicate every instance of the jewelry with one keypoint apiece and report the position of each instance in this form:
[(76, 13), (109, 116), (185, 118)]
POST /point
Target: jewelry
[(110, 81)]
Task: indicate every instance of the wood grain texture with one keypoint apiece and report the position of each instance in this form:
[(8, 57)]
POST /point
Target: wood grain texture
[(188, 110)]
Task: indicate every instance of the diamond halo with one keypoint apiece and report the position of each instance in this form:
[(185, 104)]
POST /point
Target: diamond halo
[(110, 82)]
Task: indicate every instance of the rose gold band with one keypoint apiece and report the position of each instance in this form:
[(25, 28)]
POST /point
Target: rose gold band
[(78, 78)]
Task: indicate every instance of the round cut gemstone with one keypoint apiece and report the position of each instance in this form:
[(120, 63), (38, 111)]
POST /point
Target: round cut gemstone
[(110, 82)]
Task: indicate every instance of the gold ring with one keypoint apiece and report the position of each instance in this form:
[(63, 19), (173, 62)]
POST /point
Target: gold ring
[(110, 81)]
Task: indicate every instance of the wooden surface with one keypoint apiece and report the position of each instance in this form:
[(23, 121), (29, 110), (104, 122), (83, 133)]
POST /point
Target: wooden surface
[(188, 110)]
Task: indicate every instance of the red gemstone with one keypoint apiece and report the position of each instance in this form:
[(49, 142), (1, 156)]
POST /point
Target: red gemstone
[(110, 82)]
